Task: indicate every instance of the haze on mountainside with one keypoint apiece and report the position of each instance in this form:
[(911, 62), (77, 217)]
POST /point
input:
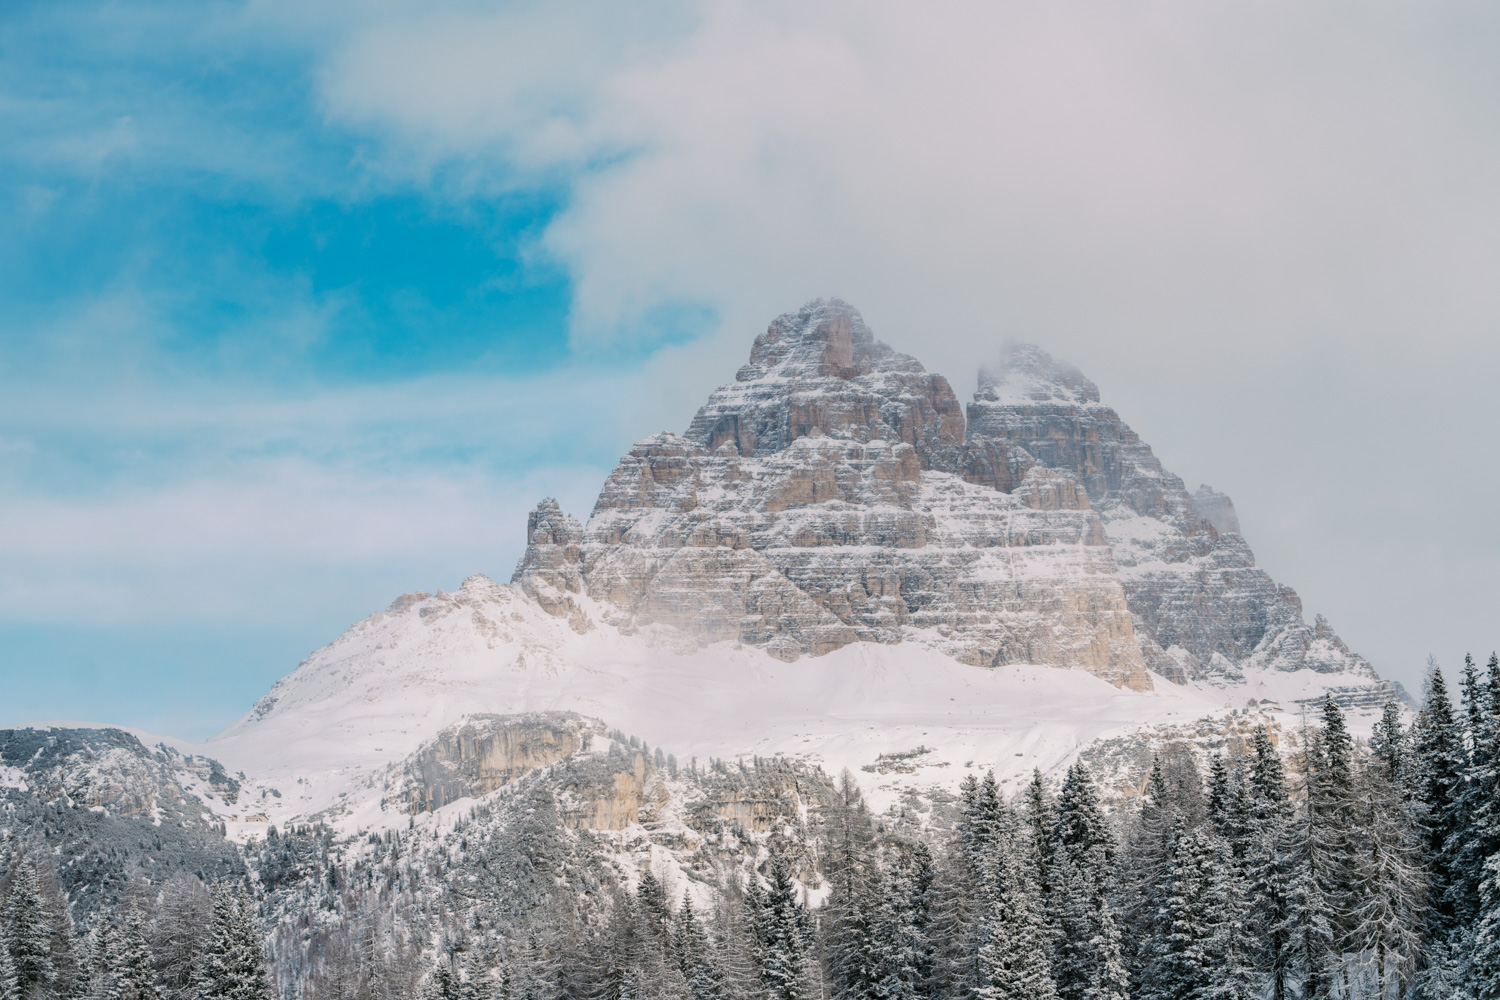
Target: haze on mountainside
[(835, 507), (836, 569)]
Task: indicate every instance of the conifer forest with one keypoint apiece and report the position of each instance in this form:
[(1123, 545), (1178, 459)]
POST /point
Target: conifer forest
[(1334, 867)]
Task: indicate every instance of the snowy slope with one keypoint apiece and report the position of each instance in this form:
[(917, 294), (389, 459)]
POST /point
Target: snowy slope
[(326, 733)]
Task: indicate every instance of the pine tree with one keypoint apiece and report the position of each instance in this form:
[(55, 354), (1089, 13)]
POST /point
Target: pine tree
[(854, 879), (1013, 952), (233, 966), (1269, 871), (1484, 960), (1437, 748), (27, 927), (1477, 836), (651, 896), (1390, 908), (691, 947), (1228, 942), (1080, 919), (1081, 826), (1041, 825), (954, 913), (1144, 868), (10, 984), (783, 960), (1174, 955), (134, 974), (904, 949), (1335, 833)]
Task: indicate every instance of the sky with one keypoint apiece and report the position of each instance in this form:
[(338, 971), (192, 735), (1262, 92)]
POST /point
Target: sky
[(304, 306)]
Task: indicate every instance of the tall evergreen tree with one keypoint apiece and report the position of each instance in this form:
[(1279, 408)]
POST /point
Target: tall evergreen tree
[(1228, 943), (29, 931), (690, 946), (854, 878), (1390, 906), (1335, 835), (10, 984), (784, 958), (1087, 939), (904, 949), (1013, 951), (1269, 867), (1439, 759), (233, 966), (1476, 837), (134, 973), (1081, 826), (1175, 965)]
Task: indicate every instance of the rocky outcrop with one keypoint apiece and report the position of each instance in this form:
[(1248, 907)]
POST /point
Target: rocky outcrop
[(486, 753), (835, 493), (814, 502), (1217, 509), (1202, 608), (549, 569), (821, 372)]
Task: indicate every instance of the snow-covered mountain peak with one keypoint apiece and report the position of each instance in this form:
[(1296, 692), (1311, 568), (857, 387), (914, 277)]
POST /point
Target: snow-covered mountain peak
[(1026, 375)]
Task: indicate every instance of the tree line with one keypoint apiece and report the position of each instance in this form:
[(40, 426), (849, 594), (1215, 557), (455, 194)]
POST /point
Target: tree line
[(186, 942), (1328, 867)]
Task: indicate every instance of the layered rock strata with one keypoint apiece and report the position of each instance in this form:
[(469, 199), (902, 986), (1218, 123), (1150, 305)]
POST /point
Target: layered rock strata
[(1202, 607), (814, 502), (836, 492)]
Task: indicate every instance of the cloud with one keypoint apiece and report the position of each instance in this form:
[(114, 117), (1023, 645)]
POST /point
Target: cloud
[(1269, 230), (1204, 172)]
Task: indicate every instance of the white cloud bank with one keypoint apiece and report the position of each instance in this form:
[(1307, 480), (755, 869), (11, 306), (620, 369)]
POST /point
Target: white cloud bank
[(1270, 230)]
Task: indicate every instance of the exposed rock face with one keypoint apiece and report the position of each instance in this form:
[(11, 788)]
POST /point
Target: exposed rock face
[(814, 502), (834, 493), (1217, 509), (821, 372), (112, 814), (1202, 607), (486, 752)]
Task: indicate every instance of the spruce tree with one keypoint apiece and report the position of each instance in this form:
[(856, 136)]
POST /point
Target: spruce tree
[(1081, 826), (1041, 826), (1437, 748), (690, 947), (854, 878), (1269, 867), (1229, 946), (133, 970), (1013, 953), (29, 932), (1143, 869), (233, 966), (10, 984), (1476, 837), (1390, 906), (783, 959), (1087, 939), (1483, 963), (1335, 834), (1174, 954), (656, 915)]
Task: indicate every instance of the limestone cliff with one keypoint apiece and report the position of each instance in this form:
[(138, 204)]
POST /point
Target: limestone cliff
[(836, 492), (1202, 607), (814, 502)]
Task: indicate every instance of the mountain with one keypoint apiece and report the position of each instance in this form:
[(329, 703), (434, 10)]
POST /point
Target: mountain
[(835, 561), (835, 567)]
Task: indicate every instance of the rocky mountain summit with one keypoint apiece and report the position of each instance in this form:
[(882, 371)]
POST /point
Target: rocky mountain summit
[(836, 492)]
